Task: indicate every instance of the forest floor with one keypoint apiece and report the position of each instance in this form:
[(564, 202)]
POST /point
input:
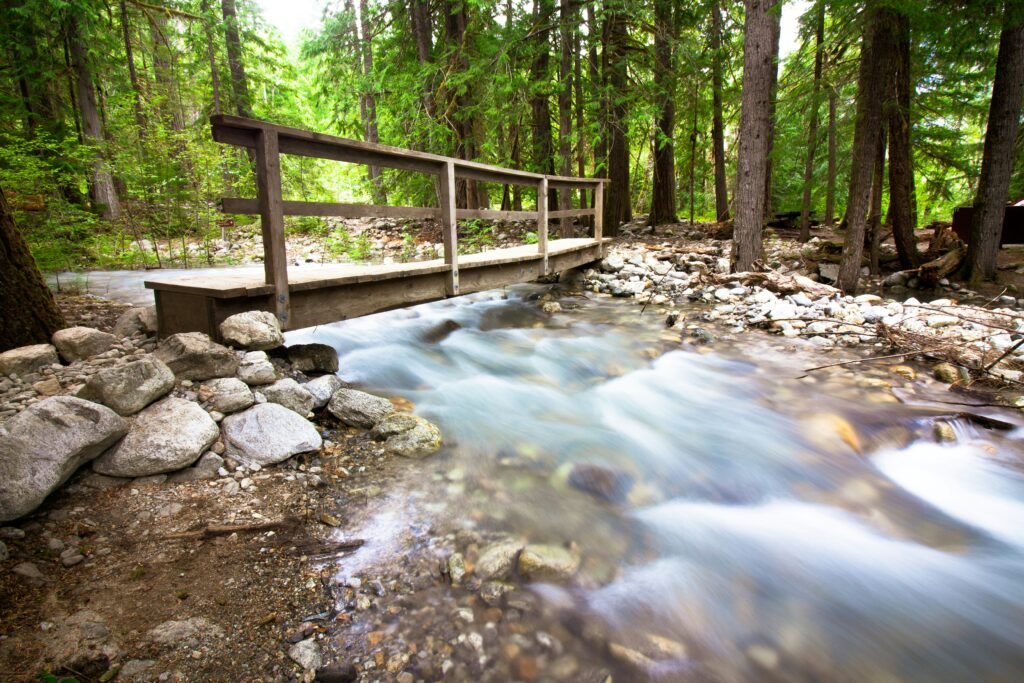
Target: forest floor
[(195, 581)]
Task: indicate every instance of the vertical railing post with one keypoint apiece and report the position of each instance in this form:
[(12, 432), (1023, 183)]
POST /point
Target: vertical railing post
[(542, 221), (449, 227), (599, 214), (268, 188)]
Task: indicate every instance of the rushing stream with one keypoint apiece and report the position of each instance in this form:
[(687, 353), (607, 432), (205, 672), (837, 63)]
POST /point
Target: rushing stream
[(782, 525)]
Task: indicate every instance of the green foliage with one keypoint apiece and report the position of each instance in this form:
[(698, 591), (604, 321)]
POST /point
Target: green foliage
[(475, 235)]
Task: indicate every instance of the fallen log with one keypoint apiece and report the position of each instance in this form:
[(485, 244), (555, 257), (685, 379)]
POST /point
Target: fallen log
[(782, 283)]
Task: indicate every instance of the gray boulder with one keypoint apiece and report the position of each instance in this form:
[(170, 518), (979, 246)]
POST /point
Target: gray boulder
[(141, 319), (322, 388), (79, 343), (290, 394), (28, 359), (313, 358), (253, 330), (193, 355), (44, 444), (256, 369), (268, 433), (206, 468), (226, 395), (164, 437), (130, 388), (358, 408), (409, 436)]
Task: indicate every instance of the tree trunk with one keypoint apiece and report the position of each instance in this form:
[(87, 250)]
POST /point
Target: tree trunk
[(540, 105), (101, 190), (693, 155), (28, 313), (871, 89), (211, 56), (717, 127), (663, 193), (565, 74), (239, 82), (167, 102), (830, 182), (875, 218), (577, 80), (368, 100), (755, 131), (423, 33), (997, 160), (812, 128), (774, 17), (617, 205), (460, 112), (133, 76), (902, 211)]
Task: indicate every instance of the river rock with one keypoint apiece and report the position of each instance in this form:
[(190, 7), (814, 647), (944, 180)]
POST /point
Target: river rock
[(226, 395), (185, 633), (256, 369), (141, 319), (4, 553), (164, 437), (44, 444), (252, 330), (307, 654), (313, 358), (358, 408), (268, 433), (206, 468), (290, 394), (79, 343), (193, 355), (551, 563), (946, 372), (409, 436), (497, 560), (322, 388), (601, 482), (25, 360), (130, 388)]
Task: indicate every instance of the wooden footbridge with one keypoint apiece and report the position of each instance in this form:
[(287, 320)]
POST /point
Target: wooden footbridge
[(318, 294)]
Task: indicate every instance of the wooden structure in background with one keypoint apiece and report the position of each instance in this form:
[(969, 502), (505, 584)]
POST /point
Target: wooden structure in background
[(315, 295)]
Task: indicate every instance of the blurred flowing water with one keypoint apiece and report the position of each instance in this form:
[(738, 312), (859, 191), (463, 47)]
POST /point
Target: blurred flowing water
[(781, 526)]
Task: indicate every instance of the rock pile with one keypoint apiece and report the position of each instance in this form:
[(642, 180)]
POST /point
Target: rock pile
[(135, 408)]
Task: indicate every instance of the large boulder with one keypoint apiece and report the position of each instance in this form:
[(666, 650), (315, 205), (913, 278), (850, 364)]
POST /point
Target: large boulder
[(253, 330), (28, 359), (256, 369), (141, 319), (358, 408), (164, 437), (313, 358), (409, 436), (268, 433), (44, 444), (193, 355), (290, 394), (130, 388), (322, 388), (226, 395), (79, 343)]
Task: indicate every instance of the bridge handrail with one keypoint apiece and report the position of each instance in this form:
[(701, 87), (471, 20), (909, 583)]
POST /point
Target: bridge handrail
[(268, 141)]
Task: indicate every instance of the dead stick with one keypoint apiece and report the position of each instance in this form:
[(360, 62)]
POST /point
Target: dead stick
[(860, 360), (212, 531), (1005, 354)]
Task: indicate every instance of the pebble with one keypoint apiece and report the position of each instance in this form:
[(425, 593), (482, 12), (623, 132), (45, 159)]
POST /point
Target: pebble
[(28, 570)]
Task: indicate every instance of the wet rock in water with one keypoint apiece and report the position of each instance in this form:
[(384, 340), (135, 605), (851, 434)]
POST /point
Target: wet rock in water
[(338, 673), (207, 467), (252, 330), (290, 394), (256, 369), (409, 436), (497, 560), (456, 568), (821, 427), (226, 395), (307, 654), (268, 433), (602, 482), (491, 592), (25, 360), (164, 437), (904, 371), (313, 358), (946, 372), (42, 446), (551, 307), (141, 319), (358, 408), (550, 563), (439, 332), (130, 388), (185, 633), (944, 432), (79, 343), (322, 388), (193, 355)]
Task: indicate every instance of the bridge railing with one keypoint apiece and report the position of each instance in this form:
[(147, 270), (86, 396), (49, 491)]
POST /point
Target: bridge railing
[(269, 141)]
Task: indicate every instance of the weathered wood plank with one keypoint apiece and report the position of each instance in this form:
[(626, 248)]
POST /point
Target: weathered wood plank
[(268, 188), (599, 215), (570, 213), (237, 205), (542, 221), (449, 227), (495, 215)]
